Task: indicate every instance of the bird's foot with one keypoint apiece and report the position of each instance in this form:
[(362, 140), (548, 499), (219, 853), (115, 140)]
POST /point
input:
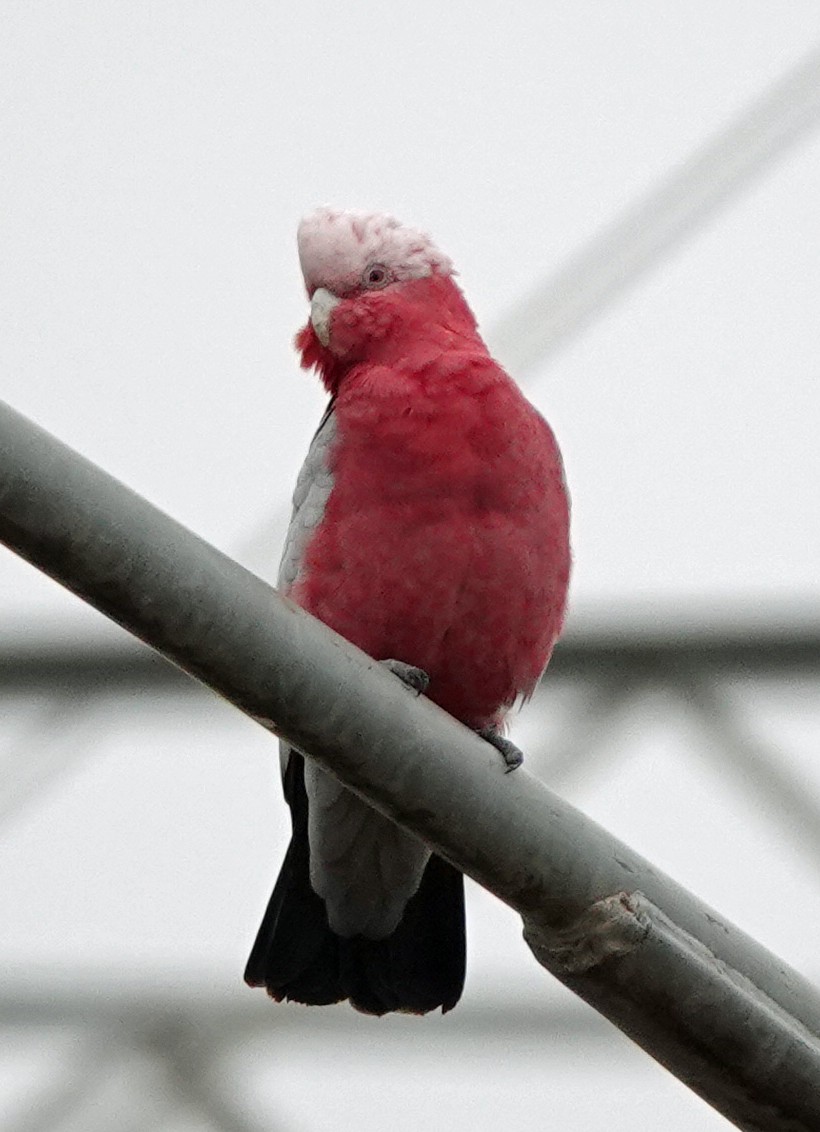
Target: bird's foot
[(415, 678), (513, 756)]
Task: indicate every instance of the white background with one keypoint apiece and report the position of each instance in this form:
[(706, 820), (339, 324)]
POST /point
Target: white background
[(156, 159)]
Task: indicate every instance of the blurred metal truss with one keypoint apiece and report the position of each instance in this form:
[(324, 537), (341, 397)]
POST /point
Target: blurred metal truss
[(129, 1044), (125, 1044)]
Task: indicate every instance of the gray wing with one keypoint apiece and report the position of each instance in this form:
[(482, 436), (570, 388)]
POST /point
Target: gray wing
[(362, 865), (313, 487)]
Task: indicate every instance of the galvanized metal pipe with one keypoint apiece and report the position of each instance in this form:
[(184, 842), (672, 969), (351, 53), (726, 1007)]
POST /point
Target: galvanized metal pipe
[(722, 1013)]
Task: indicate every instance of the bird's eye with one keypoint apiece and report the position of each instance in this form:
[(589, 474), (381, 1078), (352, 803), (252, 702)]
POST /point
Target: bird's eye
[(376, 275)]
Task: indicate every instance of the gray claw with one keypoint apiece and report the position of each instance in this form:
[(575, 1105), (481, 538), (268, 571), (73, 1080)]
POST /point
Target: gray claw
[(513, 756), (415, 678)]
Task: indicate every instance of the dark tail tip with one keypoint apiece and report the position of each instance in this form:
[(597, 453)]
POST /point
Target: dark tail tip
[(417, 969), (296, 956)]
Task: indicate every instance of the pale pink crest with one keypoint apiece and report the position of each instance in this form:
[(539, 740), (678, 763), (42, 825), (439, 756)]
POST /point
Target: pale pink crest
[(336, 247)]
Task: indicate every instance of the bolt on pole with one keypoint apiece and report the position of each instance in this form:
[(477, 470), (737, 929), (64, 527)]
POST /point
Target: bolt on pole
[(718, 1010)]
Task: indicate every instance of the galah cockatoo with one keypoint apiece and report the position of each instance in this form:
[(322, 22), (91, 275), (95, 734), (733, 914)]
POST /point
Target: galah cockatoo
[(430, 527)]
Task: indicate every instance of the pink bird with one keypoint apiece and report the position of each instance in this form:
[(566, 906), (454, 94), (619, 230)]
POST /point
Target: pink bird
[(431, 528)]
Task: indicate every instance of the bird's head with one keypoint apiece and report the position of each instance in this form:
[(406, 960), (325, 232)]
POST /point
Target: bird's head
[(375, 287)]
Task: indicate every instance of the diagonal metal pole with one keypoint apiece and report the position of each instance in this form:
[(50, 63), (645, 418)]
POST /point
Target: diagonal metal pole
[(190, 1060), (61, 736), (722, 1013), (754, 767), (633, 241), (589, 742), (67, 1094)]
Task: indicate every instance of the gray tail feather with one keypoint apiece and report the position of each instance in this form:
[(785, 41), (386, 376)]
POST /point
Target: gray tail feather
[(296, 956)]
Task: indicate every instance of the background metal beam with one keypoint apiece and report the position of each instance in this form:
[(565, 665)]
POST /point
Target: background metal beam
[(741, 650), (721, 1012), (616, 257)]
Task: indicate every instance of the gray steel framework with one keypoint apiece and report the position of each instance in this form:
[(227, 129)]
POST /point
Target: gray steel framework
[(691, 670), (115, 1027), (727, 1017)]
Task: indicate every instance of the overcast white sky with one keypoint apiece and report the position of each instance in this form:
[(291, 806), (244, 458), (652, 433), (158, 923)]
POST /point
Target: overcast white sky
[(159, 157), (156, 160)]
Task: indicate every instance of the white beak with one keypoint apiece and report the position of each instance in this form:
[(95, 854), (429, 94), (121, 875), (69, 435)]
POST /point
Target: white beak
[(321, 307)]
